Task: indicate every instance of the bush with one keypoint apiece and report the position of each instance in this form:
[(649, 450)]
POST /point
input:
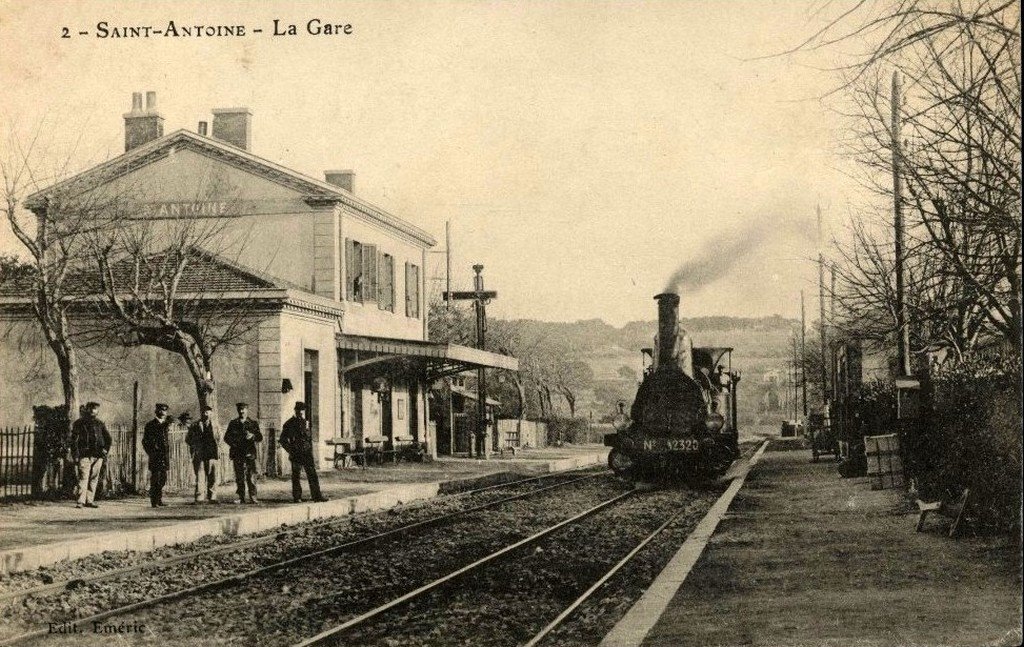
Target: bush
[(566, 430), (971, 438), (51, 444), (877, 409)]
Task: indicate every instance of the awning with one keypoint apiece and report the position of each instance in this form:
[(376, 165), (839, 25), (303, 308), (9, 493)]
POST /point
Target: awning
[(438, 360), (472, 395)]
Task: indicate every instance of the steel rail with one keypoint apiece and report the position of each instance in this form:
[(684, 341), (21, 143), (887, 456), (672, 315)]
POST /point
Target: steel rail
[(599, 583), (240, 577), (325, 636), (243, 543)]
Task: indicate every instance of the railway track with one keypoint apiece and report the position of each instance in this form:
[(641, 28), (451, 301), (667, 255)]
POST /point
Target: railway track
[(306, 530), (545, 570), (8, 598), (503, 554), (262, 538), (445, 620)]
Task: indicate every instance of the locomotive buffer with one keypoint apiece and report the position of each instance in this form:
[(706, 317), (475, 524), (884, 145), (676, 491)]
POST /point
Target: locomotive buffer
[(480, 298)]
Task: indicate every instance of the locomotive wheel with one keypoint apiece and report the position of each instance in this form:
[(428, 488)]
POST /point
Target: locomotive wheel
[(620, 463)]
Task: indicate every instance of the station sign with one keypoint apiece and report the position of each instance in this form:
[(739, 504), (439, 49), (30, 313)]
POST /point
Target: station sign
[(192, 209), (175, 209)]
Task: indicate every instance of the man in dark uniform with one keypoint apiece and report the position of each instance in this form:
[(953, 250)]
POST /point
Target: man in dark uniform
[(297, 440), (154, 441), (90, 443), (202, 445), (242, 435)]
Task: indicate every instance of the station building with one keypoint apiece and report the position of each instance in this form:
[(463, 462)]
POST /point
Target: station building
[(340, 283)]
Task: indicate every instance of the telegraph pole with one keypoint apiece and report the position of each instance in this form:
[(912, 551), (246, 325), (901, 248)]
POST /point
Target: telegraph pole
[(480, 299), (796, 384), (821, 308), (448, 263), (908, 388), (803, 351), (833, 376), (902, 327)]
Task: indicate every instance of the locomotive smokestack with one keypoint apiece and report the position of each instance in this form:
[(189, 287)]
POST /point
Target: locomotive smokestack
[(668, 329)]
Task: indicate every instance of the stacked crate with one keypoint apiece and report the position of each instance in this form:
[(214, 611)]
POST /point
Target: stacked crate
[(885, 469)]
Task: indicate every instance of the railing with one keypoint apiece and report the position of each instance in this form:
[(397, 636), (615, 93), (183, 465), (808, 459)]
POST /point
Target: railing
[(16, 459), (25, 471)]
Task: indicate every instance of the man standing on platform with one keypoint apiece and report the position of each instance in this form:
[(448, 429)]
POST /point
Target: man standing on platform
[(202, 445), (90, 443), (297, 440), (155, 442), (242, 435)]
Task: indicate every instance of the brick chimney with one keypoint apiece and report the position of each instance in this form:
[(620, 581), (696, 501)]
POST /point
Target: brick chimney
[(142, 126), (343, 179), (234, 126)]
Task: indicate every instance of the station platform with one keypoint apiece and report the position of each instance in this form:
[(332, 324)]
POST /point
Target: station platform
[(804, 557), (38, 533)]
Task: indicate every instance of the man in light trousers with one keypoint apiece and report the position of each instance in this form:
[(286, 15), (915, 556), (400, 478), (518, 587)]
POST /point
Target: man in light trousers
[(90, 444), (202, 445)]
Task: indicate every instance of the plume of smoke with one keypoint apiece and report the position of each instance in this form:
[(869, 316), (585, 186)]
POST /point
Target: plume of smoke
[(720, 255)]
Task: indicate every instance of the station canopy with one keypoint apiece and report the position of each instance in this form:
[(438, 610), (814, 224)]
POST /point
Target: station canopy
[(357, 352)]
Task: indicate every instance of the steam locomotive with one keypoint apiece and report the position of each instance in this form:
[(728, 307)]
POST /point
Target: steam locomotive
[(683, 420)]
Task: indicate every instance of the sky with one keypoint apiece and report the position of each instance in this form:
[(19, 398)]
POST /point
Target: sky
[(581, 151)]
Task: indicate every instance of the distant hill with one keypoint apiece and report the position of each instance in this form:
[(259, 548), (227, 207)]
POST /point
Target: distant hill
[(762, 352)]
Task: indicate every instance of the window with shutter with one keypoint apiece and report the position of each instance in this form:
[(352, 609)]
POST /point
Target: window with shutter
[(370, 273), (386, 293), (412, 290), (354, 287), (408, 303)]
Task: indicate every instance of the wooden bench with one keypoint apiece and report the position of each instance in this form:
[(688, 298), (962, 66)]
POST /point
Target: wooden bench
[(344, 451), (954, 510), (373, 447)]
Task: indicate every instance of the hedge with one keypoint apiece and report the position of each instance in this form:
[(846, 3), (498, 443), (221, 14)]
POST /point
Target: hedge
[(970, 437), (567, 430)]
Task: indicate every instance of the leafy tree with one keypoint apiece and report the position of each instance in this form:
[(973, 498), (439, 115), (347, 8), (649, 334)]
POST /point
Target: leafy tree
[(627, 373)]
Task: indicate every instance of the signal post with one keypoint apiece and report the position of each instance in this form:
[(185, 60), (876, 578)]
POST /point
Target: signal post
[(480, 298)]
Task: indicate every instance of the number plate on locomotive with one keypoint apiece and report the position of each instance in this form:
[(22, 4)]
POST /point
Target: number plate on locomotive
[(687, 445)]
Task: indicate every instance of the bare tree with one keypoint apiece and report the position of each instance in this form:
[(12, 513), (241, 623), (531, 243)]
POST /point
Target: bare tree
[(54, 232), (572, 376), (157, 287), (943, 308), (958, 154)]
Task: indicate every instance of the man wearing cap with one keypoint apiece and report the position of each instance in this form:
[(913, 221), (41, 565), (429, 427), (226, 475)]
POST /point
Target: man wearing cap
[(242, 435), (90, 443), (297, 440), (155, 442), (202, 445)]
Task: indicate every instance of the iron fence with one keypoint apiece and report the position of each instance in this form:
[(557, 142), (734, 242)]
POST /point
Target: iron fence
[(16, 461), (26, 470)]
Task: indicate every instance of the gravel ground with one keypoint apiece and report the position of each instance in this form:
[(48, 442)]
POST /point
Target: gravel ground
[(280, 607), (349, 526), (507, 602), (592, 621)]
